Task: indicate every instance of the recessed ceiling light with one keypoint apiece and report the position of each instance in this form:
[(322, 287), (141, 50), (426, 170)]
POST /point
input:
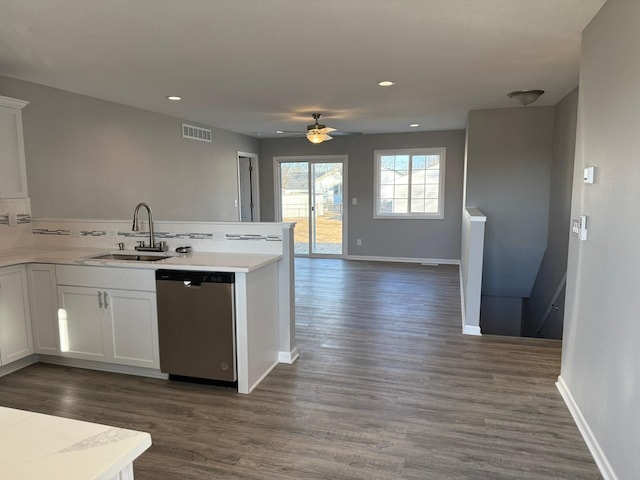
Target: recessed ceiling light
[(175, 98), (386, 83), (279, 131), (414, 125)]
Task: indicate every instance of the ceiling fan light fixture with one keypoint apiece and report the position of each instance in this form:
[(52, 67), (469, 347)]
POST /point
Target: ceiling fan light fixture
[(525, 97), (317, 136)]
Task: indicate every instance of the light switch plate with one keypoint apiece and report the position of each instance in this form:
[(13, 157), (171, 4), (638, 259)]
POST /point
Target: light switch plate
[(579, 228), (589, 174)]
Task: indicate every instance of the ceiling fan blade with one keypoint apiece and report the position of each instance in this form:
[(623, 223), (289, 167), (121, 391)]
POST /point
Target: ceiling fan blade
[(326, 130), (343, 133), (298, 132)]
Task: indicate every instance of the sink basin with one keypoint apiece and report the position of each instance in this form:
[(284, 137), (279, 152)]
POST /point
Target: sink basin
[(131, 257)]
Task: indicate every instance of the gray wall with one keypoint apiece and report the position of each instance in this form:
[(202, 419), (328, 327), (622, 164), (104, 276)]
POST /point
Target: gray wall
[(436, 239), (88, 158), (508, 166), (554, 262), (601, 342)]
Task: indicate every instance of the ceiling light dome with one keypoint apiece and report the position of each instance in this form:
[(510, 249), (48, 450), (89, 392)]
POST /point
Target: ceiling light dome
[(525, 97)]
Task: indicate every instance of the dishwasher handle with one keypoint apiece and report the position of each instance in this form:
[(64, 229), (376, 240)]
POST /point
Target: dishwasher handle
[(195, 278)]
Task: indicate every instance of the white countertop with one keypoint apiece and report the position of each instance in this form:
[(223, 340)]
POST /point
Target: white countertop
[(205, 261), (37, 446)]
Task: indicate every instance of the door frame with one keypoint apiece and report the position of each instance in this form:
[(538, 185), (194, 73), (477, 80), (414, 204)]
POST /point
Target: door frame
[(255, 184), (338, 158)]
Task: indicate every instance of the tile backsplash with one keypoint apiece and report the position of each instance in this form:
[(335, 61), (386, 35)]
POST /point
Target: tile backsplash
[(201, 236), (15, 223)]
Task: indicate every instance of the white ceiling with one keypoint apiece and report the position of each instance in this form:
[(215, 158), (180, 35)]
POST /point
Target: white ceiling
[(255, 66)]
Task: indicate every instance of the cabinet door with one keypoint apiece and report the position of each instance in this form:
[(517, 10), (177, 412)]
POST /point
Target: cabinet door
[(133, 323), (15, 322), (82, 334), (44, 308), (13, 181)]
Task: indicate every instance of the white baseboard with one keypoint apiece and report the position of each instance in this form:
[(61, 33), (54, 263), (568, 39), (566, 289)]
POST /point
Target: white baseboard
[(425, 261), (257, 382), (466, 329), (288, 357), (104, 367), (594, 447), (472, 330), (17, 365)]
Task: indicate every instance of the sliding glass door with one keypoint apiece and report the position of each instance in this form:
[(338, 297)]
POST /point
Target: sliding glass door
[(311, 192)]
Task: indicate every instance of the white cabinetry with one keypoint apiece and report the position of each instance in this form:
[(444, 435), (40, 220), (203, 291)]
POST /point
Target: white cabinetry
[(111, 315), (15, 325), (13, 181), (43, 301)]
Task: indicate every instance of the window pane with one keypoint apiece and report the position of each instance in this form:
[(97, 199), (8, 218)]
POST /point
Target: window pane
[(386, 192), (419, 162), (418, 176), (400, 206), (387, 162), (386, 206), (402, 163), (417, 205), (402, 191), (402, 178), (433, 161), (433, 176), (417, 191), (431, 191), (431, 206), (387, 177)]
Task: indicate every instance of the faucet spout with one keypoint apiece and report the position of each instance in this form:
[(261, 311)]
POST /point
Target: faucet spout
[(152, 247)]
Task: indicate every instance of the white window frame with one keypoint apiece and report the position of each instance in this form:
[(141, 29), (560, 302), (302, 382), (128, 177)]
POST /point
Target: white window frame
[(441, 151)]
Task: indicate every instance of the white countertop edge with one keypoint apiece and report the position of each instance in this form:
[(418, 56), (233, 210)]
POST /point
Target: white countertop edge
[(118, 465), (204, 261)]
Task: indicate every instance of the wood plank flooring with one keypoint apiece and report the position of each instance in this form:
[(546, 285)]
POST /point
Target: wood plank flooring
[(386, 387)]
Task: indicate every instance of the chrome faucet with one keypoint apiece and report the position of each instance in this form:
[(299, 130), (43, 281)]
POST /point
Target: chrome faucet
[(152, 247)]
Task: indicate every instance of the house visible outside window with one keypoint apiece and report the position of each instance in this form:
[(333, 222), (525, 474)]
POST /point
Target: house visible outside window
[(409, 183)]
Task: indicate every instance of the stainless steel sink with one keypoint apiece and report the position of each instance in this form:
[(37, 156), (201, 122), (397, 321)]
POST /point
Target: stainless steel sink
[(131, 257)]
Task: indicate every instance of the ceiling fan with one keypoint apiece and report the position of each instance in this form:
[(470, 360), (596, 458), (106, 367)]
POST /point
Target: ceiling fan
[(317, 132)]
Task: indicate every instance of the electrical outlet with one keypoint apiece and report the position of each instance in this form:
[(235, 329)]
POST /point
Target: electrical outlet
[(359, 242)]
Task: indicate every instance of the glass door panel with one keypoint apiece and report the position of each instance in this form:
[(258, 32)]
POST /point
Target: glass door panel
[(295, 204), (326, 208)]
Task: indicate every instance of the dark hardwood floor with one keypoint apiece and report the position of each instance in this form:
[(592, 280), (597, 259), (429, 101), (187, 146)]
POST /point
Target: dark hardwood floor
[(386, 387)]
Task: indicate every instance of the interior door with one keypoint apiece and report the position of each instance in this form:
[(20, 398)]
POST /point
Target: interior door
[(248, 187), (311, 195)]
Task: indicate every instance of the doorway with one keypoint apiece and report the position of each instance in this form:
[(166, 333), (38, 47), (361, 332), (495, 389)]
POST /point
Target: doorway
[(248, 194), (310, 192)]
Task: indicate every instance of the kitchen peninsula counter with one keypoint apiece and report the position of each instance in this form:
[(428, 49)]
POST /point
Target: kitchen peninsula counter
[(37, 446), (263, 305)]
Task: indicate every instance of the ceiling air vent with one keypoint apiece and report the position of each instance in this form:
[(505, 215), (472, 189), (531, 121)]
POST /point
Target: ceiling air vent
[(196, 133)]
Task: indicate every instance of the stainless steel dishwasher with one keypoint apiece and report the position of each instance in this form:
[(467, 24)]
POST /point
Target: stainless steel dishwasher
[(196, 325)]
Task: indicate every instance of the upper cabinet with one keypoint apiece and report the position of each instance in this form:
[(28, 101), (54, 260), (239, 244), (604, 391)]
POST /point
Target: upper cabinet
[(13, 181)]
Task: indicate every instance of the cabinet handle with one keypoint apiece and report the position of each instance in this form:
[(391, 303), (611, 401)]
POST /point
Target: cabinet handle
[(106, 304), (100, 299)]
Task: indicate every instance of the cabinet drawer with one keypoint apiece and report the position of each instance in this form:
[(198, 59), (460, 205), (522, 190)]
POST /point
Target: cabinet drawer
[(107, 277)]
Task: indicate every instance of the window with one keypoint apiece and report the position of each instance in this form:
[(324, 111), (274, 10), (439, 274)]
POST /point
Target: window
[(409, 183)]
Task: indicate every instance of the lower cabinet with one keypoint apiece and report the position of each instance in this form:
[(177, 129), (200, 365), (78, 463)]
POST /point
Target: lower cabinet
[(43, 300), (15, 323), (107, 324)]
